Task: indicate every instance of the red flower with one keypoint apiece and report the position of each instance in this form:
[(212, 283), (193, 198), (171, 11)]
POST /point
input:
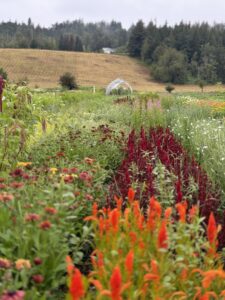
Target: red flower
[(85, 176), (17, 185), (94, 209), (114, 219), (181, 208), (37, 261), (129, 262), (131, 195), (116, 284), (38, 278), (51, 210), (6, 197), (76, 286), (60, 154), (162, 236), (32, 217), (45, 225), (212, 229)]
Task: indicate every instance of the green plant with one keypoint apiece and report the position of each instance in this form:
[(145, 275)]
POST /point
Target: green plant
[(201, 84), (67, 80), (3, 73), (169, 88)]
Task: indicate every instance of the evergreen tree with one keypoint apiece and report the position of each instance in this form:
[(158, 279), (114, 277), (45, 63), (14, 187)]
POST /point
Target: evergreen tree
[(78, 45), (136, 39)]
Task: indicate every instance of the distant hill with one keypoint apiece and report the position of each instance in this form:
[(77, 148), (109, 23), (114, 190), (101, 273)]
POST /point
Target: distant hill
[(44, 67)]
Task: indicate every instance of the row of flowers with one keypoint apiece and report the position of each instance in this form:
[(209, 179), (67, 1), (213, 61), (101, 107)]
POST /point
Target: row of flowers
[(156, 254), (190, 182)]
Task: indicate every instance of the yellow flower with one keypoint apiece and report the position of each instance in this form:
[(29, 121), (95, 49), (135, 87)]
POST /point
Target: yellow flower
[(24, 164), (22, 263), (53, 170)]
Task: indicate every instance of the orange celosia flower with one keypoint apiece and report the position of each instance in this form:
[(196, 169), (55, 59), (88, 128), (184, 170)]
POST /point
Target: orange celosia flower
[(94, 209), (116, 284), (151, 221), (184, 274), (212, 229), (131, 195), (97, 284), (155, 206), (70, 266), (119, 202), (133, 237), (154, 266), (136, 209), (193, 212), (168, 212), (129, 262), (210, 275), (208, 296), (181, 208), (76, 286), (126, 216), (163, 236), (114, 219), (151, 277)]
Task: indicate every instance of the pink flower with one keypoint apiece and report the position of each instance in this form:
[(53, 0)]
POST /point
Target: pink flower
[(13, 295)]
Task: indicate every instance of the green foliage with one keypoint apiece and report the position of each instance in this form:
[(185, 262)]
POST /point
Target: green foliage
[(136, 40), (171, 66), (3, 73), (67, 80), (201, 84), (169, 88)]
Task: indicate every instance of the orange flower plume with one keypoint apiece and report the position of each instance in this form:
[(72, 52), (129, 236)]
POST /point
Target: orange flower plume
[(129, 262), (212, 229), (114, 219), (76, 286), (163, 236), (116, 284), (155, 207), (182, 208), (131, 195), (70, 266)]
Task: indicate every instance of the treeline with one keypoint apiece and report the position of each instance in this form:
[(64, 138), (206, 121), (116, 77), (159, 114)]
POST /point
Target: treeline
[(70, 36), (176, 54), (182, 53)]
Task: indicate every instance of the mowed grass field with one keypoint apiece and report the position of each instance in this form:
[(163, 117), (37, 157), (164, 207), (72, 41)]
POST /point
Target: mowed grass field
[(44, 67)]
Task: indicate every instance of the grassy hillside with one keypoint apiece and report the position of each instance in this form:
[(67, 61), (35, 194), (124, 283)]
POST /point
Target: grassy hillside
[(43, 68)]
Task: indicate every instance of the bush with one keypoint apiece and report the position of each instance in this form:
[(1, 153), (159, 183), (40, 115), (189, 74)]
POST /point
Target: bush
[(169, 88), (67, 80), (3, 73)]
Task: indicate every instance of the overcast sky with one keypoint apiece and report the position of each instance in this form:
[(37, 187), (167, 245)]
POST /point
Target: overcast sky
[(48, 12)]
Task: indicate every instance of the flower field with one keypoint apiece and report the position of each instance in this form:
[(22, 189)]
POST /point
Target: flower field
[(111, 198)]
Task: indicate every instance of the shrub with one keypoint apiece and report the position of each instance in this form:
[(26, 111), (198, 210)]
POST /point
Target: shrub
[(201, 84), (169, 88), (3, 73), (67, 80)]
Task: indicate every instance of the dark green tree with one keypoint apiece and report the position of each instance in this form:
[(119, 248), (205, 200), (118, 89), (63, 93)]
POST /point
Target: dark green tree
[(171, 67), (136, 40)]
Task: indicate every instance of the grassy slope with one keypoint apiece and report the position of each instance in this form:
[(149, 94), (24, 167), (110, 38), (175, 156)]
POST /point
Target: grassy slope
[(43, 68)]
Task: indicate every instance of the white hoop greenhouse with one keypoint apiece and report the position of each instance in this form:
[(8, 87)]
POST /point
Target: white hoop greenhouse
[(116, 84)]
